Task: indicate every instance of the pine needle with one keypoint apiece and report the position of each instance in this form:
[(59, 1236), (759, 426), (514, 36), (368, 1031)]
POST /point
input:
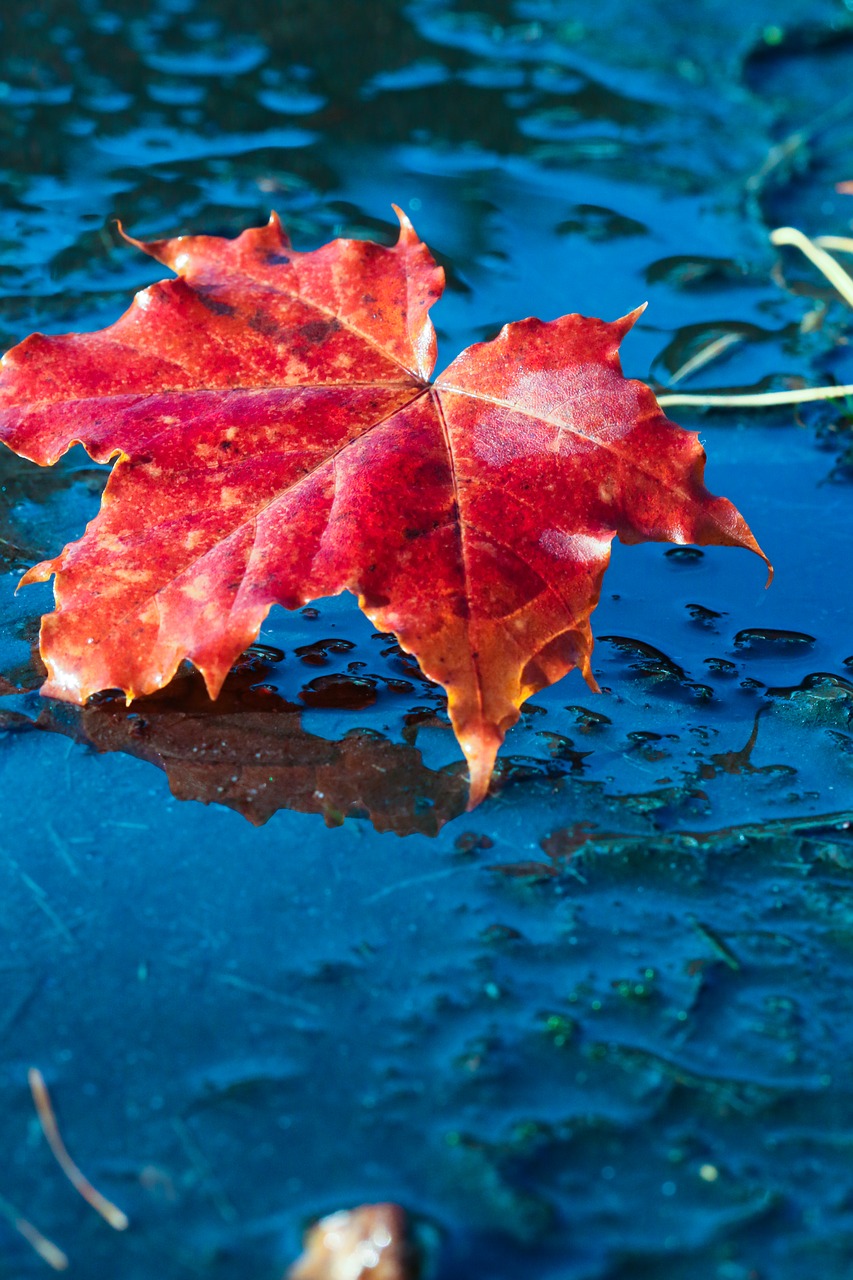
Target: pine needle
[(53, 1256), (108, 1211)]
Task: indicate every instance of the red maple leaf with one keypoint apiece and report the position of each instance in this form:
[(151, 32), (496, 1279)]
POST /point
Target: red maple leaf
[(279, 440)]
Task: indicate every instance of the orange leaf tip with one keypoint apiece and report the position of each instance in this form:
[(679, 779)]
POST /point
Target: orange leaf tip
[(626, 323), (408, 236), (276, 223)]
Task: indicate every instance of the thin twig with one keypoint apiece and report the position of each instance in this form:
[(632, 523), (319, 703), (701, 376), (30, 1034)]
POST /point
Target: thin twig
[(108, 1211), (46, 1249)]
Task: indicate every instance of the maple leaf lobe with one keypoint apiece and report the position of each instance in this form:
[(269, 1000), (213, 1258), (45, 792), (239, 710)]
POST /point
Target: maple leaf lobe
[(278, 440)]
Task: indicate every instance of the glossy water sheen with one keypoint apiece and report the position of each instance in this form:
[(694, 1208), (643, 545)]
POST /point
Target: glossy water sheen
[(601, 1028)]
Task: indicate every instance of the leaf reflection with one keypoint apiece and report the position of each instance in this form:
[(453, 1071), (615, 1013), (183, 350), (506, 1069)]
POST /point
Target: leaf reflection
[(250, 752)]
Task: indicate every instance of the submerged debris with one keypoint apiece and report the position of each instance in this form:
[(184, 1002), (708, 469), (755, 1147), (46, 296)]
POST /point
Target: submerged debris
[(369, 1243)]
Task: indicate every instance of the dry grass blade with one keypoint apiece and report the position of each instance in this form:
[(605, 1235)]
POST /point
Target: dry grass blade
[(825, 263), (46, 1249), (838, 244), (756, 399), (44, 1109), (816, 252), (705, 356)]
